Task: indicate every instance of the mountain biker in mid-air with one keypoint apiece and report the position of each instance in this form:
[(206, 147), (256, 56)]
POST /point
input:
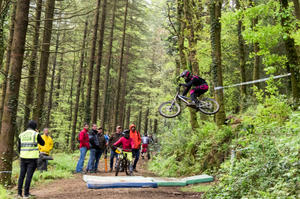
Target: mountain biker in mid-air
[(199, 86)]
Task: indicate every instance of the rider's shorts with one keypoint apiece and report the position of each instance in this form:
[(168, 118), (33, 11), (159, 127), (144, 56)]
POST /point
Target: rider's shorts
[(129, 155), (199, 90)]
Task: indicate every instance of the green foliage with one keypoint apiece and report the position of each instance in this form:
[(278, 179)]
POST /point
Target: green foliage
[(273, 108), (3, 193), (269, 168), (61, 167), (196, 188), (186, 152)]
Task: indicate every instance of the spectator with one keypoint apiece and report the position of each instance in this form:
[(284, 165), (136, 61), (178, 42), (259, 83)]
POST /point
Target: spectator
[(45, 151), (94, 145), (136, 136), (113, 139), (101, 148), (29, 154), (84, 146)]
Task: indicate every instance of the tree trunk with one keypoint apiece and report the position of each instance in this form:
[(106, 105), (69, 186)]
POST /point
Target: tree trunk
[(41, 89), (8, 57), (71, 101), (297, 8), (52, 81), (124, 86), (181, 37), (242, 56), (215, 15), (78, 88), (58, 86), (293, 59), (12, 93), (117, 99), (256, 68), (127, 123), (105, 89), (99, 62), (140, 120), (32, 64), (3, 17), (146, 121), (91, 65), (155, 127)]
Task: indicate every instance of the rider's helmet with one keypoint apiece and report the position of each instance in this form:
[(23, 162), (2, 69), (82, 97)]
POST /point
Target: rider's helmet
[(186, 74), (126, 133)]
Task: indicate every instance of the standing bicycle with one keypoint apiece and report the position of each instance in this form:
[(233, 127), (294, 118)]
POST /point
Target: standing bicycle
[(206, 105)]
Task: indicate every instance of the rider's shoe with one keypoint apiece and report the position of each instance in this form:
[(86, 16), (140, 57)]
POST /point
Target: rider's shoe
[(192, 103)]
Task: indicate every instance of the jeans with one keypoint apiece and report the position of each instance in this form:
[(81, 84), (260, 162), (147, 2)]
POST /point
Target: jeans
[(136, 155), (112, 156), (80, 162), (97, 158), (28, 167), (91, 163)]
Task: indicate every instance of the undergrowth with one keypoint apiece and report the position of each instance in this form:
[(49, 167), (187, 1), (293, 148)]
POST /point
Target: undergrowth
[(266, 144)]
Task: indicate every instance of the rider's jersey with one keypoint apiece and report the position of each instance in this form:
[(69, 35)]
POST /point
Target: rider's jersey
[(194, 81), (127, 144)]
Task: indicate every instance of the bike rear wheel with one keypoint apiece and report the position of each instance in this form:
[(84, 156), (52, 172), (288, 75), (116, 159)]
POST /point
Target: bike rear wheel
[(169, 109), (208, 106)]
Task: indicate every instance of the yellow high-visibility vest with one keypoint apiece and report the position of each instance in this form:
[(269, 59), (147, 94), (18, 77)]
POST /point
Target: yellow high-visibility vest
[(29, 145)]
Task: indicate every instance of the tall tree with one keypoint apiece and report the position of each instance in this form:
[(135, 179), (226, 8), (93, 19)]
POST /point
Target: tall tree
[(108, 66), (146, 121), (215, 36), (99, 62), (117, 99), (242, 55), (52, 80), (8, 57), (91, 65), (78, 88), (297, 8), (41, 88), (8, 126), (293, 58), (32, 64)]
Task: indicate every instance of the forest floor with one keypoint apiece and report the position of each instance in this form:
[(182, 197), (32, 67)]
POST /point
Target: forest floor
[(76, 188)]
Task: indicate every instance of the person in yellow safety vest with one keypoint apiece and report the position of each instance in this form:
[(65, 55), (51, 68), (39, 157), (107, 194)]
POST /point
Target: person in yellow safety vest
[(45, 150), (29, 154)]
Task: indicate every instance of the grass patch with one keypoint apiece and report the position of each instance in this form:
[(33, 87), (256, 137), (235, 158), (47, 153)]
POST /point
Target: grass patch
[(196, 188), (4, 193), (60, 167)]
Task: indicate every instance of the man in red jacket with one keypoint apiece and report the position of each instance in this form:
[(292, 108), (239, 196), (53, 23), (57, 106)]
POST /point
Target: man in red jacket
[(84, 146), (136, 136)]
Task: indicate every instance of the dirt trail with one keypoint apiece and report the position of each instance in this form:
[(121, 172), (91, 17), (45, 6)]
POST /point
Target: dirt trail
[(75, 188)]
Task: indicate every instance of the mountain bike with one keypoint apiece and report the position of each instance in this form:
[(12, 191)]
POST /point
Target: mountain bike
[(123, 163), (172, 108)]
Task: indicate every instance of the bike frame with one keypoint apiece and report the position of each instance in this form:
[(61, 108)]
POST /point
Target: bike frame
[(182, 98)]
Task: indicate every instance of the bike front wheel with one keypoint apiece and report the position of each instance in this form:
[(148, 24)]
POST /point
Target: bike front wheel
[(118, 167), (169, 109), (208, 106)]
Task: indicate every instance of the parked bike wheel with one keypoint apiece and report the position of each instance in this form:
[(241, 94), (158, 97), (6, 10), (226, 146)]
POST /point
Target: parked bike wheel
[(169, 109), (118, 167), (209, 106)]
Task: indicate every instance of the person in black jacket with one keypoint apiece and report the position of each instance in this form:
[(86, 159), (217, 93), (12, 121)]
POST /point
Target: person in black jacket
[(94, 145), (199, 86), (101, 148)]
